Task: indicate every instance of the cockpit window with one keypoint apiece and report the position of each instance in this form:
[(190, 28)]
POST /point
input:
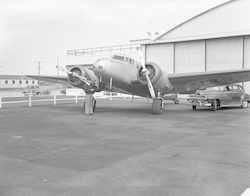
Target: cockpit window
[(126, 59), (121, 58)]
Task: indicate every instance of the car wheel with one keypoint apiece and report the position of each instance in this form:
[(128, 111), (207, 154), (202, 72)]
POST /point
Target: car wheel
[(214, 105), (194, 107), (244, 104), (176, 101)]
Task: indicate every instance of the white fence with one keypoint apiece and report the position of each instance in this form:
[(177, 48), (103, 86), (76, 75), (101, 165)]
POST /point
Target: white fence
[(54, 99), (57, 98)]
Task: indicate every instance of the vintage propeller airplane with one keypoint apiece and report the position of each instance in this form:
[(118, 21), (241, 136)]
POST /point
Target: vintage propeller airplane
[(122, 74)]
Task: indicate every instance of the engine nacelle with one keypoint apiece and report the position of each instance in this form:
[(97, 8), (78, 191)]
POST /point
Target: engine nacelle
[(157, 76), (81, 71)]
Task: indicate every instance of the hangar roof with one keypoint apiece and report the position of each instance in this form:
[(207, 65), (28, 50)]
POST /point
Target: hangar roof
[(228, 19)]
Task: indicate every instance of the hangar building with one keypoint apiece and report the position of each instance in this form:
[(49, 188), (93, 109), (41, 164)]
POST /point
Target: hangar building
[(218, 39)]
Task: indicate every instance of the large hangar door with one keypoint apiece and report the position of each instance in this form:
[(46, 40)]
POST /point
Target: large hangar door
[(247, 60), (225, 53), (190, 56), (161, 54)]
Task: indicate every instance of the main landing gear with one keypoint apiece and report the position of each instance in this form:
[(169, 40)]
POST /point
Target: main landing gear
[(157, 106)]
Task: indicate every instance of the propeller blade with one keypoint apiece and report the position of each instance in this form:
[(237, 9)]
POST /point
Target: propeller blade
[(71, 73), (64, 70), (150, 86), (142, 59)]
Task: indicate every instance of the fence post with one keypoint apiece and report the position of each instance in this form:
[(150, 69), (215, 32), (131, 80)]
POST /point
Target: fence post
[(76, 98), (0, 102), (54, 99), (30, 101)]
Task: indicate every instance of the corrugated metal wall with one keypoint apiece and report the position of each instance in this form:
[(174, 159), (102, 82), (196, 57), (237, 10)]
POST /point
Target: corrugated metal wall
[(161, 54), (189, 56), (247, 60), (225, 53)]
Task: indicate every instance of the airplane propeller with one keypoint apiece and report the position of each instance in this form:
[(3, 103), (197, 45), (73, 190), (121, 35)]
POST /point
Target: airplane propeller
[(146, 72), (71, 73)]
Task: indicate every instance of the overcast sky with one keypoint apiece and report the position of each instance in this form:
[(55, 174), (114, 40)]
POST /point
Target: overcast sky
[(42, 30)]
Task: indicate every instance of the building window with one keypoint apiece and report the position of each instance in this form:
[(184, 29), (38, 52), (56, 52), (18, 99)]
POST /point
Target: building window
[(13, 82), (27, 82), (33, 82), (6, 81), (20, 82)]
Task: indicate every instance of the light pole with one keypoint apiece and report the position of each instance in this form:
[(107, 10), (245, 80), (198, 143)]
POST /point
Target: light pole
[(39, 66), (57, 60), (152, 37)]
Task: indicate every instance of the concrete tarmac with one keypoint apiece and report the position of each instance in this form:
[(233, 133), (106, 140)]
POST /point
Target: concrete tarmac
[(124, 150)]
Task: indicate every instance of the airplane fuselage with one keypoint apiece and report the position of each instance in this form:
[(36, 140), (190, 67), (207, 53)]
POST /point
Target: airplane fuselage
[(119, 74)]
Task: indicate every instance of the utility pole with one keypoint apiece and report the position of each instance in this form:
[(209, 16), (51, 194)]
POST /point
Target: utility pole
[(57, 66), (39, 66)]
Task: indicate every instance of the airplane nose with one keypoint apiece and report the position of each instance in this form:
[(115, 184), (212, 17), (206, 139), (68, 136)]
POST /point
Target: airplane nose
[(100, 65)]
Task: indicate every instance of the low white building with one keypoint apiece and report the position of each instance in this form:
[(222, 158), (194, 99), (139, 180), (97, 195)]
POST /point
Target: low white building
[(15, 81)]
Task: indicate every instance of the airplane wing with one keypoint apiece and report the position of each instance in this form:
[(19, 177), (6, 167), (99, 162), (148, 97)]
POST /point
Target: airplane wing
[(184, 83), (53, 79)]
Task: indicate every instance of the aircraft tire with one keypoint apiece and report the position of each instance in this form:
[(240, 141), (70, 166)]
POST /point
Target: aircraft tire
[(194, 107), (214, 105), (94, 106), (157, 106)]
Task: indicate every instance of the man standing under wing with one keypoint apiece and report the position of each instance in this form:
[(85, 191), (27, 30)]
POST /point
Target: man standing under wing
[(89, 97)]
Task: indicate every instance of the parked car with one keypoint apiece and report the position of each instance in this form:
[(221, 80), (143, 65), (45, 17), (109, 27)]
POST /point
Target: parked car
[(63, 91), (35, 90), (220, 96)]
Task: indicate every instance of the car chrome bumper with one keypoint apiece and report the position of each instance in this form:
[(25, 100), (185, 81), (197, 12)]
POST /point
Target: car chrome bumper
[(198, 103)]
